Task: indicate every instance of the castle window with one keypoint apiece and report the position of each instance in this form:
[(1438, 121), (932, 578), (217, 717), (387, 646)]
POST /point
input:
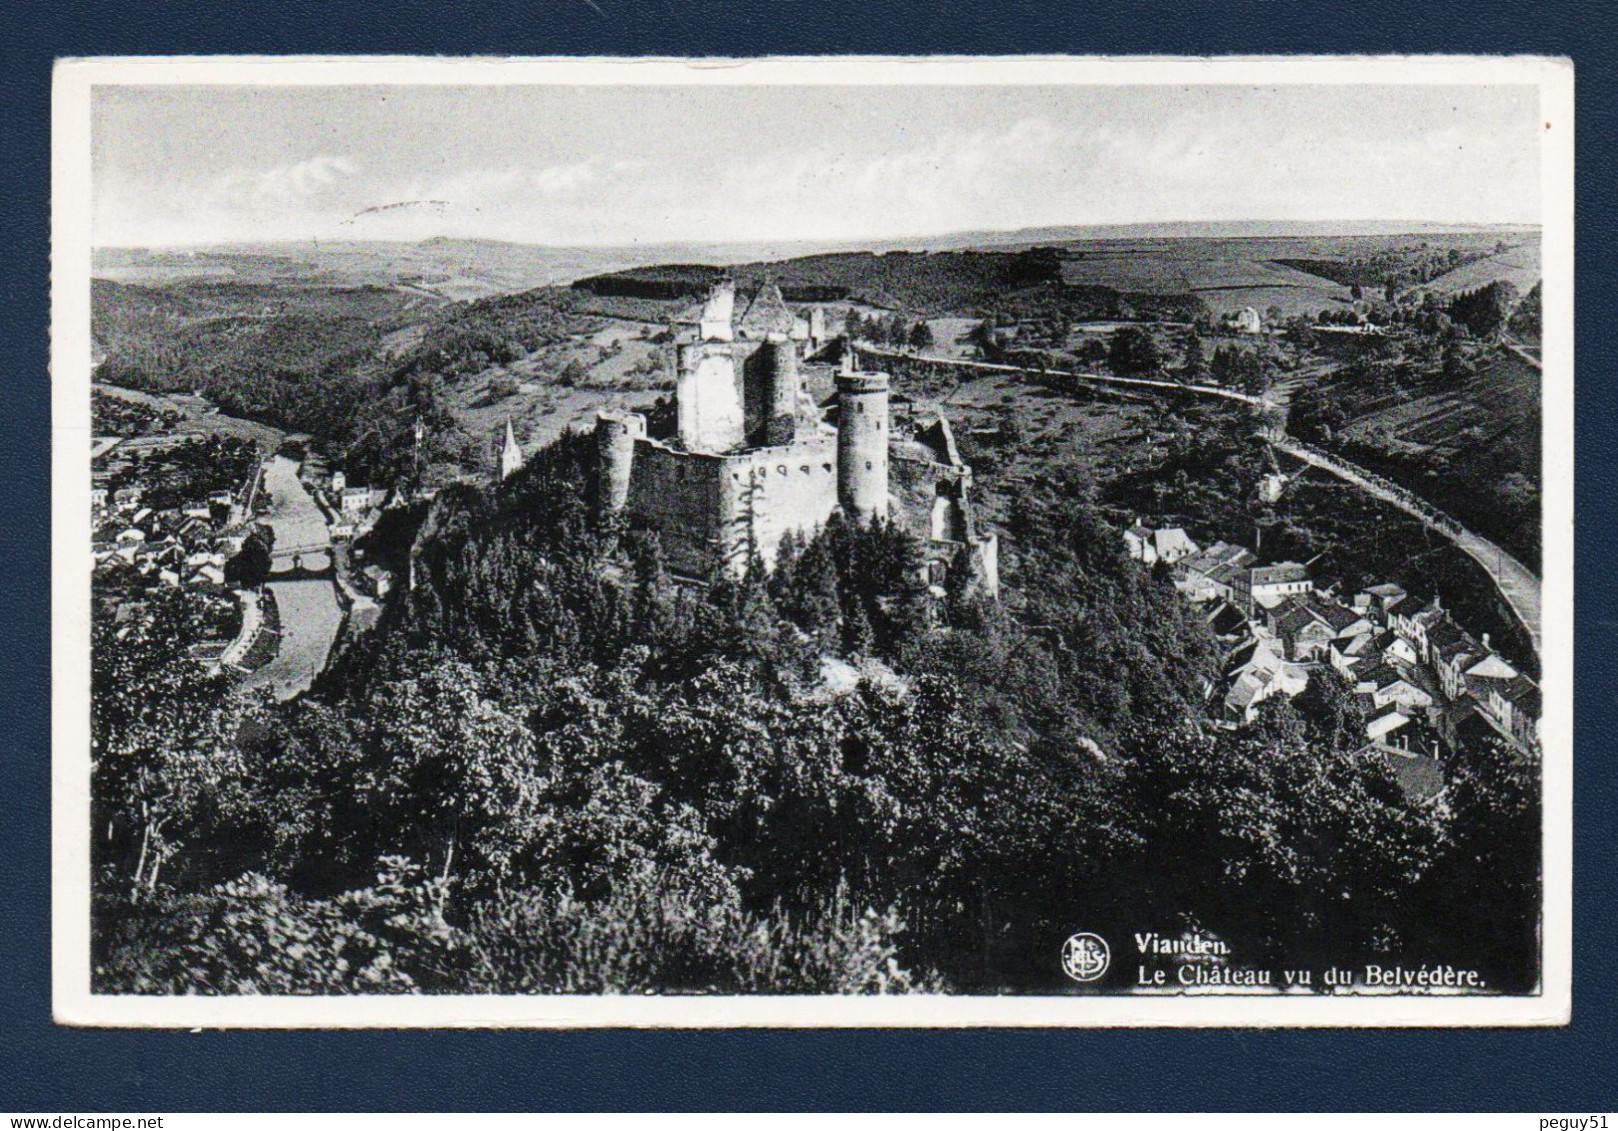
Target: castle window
[(804, 469), (867, 465), (826, 467), (781, 468)]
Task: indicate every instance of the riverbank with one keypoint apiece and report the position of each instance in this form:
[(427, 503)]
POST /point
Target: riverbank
[(311, 615)]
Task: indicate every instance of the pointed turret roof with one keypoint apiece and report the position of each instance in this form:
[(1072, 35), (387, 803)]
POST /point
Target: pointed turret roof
[(510, 453)]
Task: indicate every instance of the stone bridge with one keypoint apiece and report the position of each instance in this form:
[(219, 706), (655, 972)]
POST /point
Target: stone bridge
[(293, 563)]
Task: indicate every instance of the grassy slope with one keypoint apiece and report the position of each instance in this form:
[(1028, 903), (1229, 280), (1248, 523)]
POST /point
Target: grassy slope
[(1473, 436), (1519, 266)]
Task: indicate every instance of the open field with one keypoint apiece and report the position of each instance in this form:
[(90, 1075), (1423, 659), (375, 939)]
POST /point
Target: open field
[(196, 423), (1292, 301), (1055, 426), (1520, 266)]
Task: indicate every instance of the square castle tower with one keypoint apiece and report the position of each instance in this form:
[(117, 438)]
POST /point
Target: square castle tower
[(753, 456)]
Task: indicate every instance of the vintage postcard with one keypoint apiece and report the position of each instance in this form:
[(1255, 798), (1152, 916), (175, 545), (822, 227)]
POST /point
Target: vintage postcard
[(812, 542)]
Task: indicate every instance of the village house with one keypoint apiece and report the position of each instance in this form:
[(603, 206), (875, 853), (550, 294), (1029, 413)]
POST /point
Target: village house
[(1375, 601), (1515, 705), (357, 500), (1382, 721), (1210, 574), (1309, 625), (1346, 653), (1414, 619), (1450, 652), (1244, 321), (1387, 684), (1267, 586), (1169, 544), (1258, 671)]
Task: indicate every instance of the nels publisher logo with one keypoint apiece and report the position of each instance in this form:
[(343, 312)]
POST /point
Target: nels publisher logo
[(1085, 957)]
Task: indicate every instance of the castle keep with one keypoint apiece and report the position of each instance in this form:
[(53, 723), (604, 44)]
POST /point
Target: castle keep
[(752, 455)]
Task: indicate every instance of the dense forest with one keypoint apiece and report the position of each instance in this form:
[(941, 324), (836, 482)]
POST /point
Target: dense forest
[(550, 768)]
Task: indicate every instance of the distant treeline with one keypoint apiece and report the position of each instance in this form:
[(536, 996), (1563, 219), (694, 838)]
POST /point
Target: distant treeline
[(920, 282)]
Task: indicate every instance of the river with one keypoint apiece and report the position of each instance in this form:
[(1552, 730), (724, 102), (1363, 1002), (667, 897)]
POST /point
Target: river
[(310, 614)]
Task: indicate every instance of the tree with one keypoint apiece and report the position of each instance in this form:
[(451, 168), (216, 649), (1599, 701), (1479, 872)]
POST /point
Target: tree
[(164, 764), (1288, 846), (1458, 367), (250, 566), (1134, 352), (921, 336), (1328, 705), (573, 375), (459, 766), (1483, 895), (853, 325), (1195, 362)]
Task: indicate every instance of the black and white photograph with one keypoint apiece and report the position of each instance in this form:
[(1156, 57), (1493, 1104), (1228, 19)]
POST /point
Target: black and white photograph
[(812, 542)]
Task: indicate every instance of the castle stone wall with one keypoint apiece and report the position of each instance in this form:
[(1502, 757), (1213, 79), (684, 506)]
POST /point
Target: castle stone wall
[(713, 510), (678, 495), (783, 489)]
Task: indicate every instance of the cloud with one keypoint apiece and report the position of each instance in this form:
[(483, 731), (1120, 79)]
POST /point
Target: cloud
[(565, 180), (616, 170)]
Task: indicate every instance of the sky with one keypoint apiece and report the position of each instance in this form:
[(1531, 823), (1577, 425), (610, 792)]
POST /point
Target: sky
[(568, 166)]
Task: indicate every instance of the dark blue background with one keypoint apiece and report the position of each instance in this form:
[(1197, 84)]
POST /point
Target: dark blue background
[(45, 1068)]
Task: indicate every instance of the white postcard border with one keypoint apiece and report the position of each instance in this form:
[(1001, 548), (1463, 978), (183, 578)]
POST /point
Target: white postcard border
[(73, 1002)]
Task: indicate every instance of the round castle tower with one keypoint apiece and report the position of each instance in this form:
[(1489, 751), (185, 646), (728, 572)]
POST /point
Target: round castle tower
[(862, 444), (782, 408), (615, 457)]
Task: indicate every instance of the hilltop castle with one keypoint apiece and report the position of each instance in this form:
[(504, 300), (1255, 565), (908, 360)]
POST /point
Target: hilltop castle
[(752, 455)]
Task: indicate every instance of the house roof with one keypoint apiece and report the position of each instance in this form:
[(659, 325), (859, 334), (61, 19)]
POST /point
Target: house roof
[(1278, 574), (1492, 667), (1245, 690), (1174, 540), (1386, 589), (1385, 712), (1225, 552), (1351, 645), (1383, 675), (1294, 617), (1523, 693), (1335, 615), (1225, 619), (1457, 644), (1260, 653)]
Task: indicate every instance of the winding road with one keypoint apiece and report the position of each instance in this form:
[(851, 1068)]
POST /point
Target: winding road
[(1517, 584)]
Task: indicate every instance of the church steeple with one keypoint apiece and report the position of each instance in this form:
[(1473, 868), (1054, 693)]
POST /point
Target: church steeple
[(511, 454)]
